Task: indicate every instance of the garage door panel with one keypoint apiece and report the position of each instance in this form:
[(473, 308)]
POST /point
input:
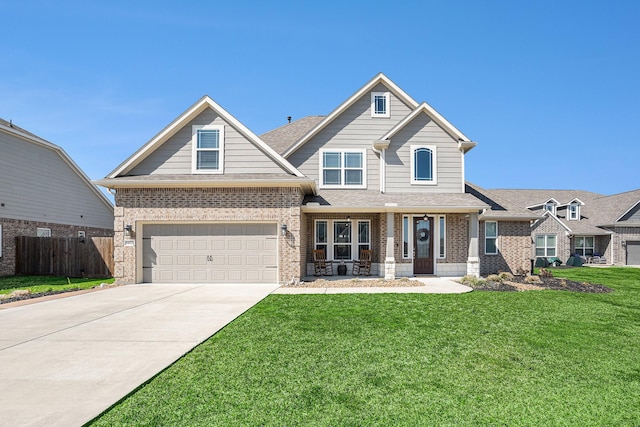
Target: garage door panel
[(633, 253), (201, 253)]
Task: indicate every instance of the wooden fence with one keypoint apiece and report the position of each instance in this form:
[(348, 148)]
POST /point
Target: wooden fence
[(64, 256)]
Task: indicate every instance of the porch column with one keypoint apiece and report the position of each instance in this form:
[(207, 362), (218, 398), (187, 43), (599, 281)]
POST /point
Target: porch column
[(390, 259), (473, 260)]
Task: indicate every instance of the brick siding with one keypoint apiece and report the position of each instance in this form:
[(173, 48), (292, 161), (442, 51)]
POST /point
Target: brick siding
[(514, 248), (279, 205), (11, 228)]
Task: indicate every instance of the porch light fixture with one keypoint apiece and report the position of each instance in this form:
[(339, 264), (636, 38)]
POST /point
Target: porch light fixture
[(283, 228), (426, 218), (128, 229), (348, 217)]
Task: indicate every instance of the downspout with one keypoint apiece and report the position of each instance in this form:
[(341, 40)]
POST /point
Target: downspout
[(380, 147)]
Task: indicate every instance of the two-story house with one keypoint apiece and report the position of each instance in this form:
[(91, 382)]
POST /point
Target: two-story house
[(207, 200), (43, 193)]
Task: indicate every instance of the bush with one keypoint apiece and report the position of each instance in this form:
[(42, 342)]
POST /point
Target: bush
[(532, 279), (494, 278), (472, 281), (505, 275)]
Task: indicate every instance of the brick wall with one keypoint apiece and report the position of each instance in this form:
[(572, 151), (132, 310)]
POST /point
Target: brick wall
[(618, 250), (12, 228), (280, 205), (514, 248), (551, 226)]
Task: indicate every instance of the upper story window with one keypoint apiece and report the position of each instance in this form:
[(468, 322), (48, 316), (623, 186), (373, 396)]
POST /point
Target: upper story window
[(208, 149), (423, 164), (574, 211), (342, 169), (551, 207), (380, 104)]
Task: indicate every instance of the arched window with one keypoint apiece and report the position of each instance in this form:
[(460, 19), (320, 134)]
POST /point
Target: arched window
[(423, 162)]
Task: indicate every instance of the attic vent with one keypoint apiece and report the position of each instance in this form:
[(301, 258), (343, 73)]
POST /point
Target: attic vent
[(289, 119)]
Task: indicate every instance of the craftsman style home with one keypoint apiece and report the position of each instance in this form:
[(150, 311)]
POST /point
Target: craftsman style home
[(207, 200)]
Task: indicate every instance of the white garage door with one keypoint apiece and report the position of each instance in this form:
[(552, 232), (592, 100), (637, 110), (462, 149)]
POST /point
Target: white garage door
[(210, 253), (633, 253)]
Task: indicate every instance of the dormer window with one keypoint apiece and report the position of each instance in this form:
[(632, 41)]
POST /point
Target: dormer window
[(574, 212), (208, 149), (550, 207), (380, 104)]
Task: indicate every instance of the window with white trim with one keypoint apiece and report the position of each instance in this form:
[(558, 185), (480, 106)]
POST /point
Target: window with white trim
[(551, 207), (380, 104), (574, 212), (343, 169), (208, 149), (423, 164), (43, 232), (406, 236), (0, 240), (491, 237), (342, 239), (442, 237), (584, 245), (545, 245)]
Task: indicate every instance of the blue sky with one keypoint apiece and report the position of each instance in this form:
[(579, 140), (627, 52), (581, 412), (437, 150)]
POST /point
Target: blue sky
[(550, 90)]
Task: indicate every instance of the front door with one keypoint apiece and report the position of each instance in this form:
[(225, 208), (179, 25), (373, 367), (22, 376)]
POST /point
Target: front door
[(422, 245)]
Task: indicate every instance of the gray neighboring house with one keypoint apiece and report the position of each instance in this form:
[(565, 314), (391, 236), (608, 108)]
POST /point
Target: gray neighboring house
[(44, 193), (583, 223), (207, 200)]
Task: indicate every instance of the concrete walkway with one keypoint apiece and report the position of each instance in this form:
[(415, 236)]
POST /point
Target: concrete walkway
[(432, 285), (64, 361)]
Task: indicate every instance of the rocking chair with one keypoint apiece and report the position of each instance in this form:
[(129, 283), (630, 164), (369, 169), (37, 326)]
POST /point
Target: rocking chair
[(321, 266), (362, 266)]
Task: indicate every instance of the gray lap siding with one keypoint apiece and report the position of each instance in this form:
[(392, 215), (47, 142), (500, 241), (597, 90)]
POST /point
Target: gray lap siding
[(172, 205)]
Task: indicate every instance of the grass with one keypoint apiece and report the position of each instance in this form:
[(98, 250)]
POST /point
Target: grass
[(39, 284), (483, 358)]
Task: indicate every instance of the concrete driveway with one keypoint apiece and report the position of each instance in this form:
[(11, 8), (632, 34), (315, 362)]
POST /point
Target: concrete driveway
[(64, 361)]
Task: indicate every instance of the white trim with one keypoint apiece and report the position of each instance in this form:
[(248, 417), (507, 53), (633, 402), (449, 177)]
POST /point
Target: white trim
[(387, 104), (409, 231), (492, 237), (380, 78), (547, 213), (43, 232), (546, 247), (182, 120), (570, 213), (343, 168), (552, 205), (433, 115), (195, 149), (434, 164), (330, 243), (439, 232)]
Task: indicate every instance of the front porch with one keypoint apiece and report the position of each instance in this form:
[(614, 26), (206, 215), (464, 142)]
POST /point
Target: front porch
[(402, 244)]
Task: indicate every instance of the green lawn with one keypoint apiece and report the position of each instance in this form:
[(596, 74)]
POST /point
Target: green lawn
[(39, 284), (484, 358)]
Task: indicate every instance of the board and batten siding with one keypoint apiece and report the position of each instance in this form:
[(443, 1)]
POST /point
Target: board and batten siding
[(174, 155), (37, 184), (423, 131), (353, 129)]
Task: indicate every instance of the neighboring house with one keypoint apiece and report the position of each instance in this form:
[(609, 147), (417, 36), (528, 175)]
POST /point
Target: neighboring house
[(207, 200), (582, 223), (44, 193)]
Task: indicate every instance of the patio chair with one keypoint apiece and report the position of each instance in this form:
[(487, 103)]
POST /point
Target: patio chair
[(321, 266), (362, 266)]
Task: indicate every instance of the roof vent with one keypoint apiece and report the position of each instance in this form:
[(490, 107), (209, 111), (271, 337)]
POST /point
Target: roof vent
[(289, 119)]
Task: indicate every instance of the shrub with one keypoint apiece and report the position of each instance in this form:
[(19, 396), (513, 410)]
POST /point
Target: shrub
[(532, 279), (494, 278), (472, 281), (505, 275)]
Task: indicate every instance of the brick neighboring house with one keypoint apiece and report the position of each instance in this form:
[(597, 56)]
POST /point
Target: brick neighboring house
[(44, 193), (582, 223), (207, 200)]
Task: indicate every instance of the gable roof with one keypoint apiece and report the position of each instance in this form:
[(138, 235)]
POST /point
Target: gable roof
[(611, 209), (283, 137), (425, 108), (499, 208), (27, 136), (201, 105), (379, 78)]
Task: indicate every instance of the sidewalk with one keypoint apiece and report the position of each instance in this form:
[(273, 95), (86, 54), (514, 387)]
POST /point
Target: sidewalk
[(432, 285)]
